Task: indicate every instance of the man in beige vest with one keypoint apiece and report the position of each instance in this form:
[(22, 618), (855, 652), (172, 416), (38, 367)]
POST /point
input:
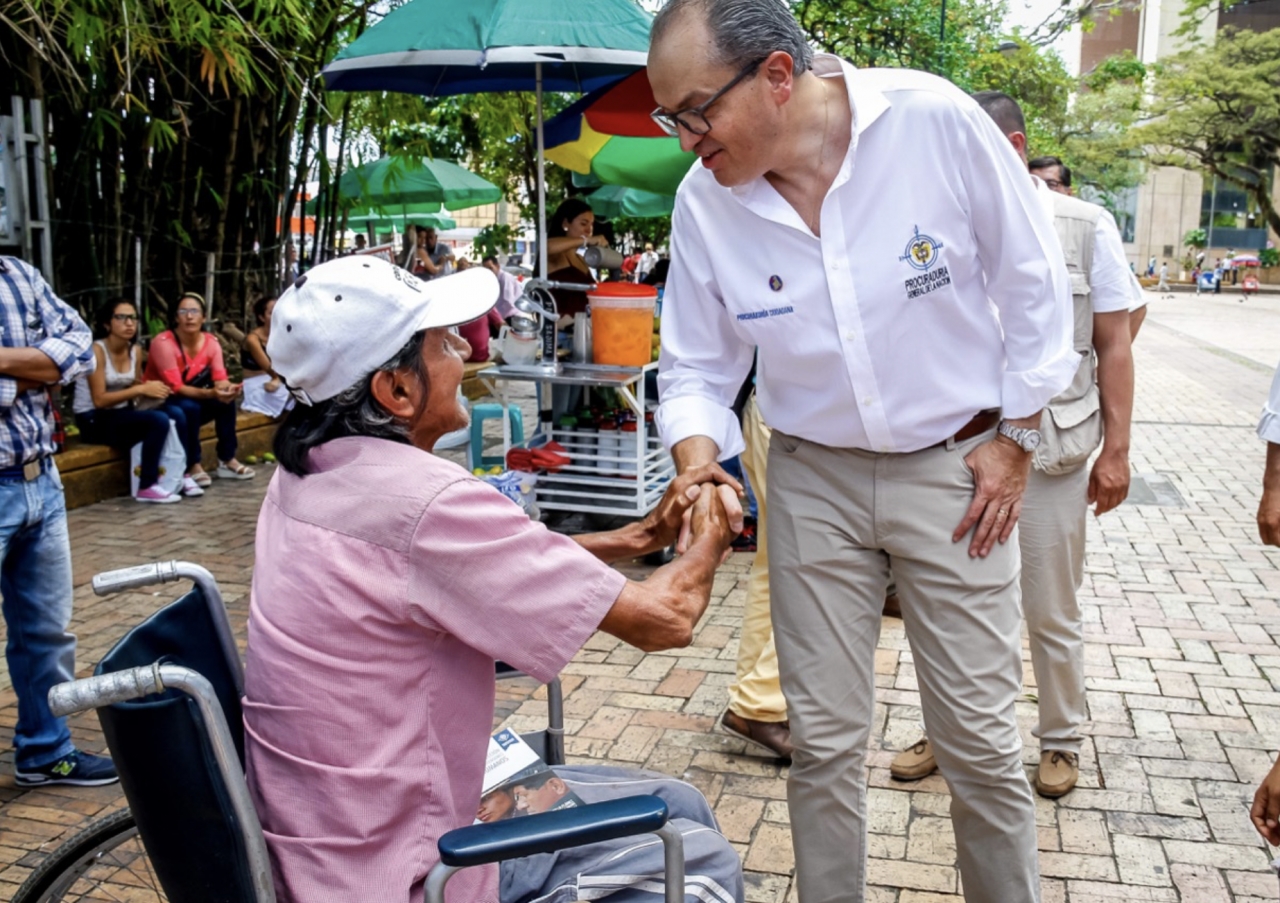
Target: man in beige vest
[(1095, 409)]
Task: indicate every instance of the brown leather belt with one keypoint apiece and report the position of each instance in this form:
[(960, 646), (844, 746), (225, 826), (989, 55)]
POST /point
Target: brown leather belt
[(981, 422)]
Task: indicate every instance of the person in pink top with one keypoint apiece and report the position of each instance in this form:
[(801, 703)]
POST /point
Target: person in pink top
[(189, 361), (390, 580)]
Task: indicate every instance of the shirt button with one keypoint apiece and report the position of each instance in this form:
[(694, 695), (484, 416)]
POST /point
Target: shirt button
[(851, 336), (868, 401), (835, 264)]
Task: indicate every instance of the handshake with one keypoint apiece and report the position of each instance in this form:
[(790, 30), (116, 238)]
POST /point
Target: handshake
[(701, 507)]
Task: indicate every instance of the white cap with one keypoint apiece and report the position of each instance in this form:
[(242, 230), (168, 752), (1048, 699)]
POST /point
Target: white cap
[(343, 319)]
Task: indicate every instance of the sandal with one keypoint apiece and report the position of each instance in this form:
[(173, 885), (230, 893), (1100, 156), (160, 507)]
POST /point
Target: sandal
[(239, 472), (201, 479)]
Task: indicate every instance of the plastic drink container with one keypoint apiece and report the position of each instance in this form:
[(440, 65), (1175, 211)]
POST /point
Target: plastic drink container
[(622, 323)]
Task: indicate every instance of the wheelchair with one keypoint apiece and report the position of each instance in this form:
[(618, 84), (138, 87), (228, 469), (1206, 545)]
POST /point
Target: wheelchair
[(168, 698)]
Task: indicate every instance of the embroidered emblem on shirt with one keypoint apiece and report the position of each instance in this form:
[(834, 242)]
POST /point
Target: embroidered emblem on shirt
[(775, 283), (922, 251)]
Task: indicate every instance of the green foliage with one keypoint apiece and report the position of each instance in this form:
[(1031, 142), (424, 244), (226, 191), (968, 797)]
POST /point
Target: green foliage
[(1269, 257), (494, 241), (1217, 109), (1196, 238)]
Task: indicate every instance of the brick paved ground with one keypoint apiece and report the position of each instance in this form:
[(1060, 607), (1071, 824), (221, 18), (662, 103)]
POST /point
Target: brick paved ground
[(1181, 608)]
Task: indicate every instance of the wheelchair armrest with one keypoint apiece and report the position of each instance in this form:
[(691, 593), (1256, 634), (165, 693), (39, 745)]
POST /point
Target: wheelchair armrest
[(549, 831)]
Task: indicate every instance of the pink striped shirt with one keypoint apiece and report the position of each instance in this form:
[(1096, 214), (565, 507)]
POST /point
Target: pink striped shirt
[(386, 583)]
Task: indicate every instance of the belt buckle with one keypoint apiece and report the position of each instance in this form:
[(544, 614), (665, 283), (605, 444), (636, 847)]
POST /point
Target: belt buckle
[(31, 470)]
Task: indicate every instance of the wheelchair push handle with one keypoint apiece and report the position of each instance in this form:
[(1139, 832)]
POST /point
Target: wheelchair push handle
[(104, 689), (122, 579)]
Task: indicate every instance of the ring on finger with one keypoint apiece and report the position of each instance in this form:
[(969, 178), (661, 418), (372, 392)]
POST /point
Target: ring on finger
[(1003, 512)]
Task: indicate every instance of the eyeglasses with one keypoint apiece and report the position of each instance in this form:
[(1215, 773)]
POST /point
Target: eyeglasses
[(1052, 184), (189, 311), (125, 318), (694, 119)]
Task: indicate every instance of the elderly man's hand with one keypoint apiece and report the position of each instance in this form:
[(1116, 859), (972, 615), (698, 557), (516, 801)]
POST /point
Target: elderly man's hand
[(709, 522), (670, 520), (1000, 470)]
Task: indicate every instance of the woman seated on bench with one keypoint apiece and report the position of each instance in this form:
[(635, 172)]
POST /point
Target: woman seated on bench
[(389, 580), (263, 391), (109, 403), (189, 361)]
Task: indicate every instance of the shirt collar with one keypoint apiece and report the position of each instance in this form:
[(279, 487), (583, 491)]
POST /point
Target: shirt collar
[(866, 103)]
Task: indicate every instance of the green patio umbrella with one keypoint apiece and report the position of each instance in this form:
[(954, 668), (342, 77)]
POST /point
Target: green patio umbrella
[(364, 219), (615, 200), (394, 184)]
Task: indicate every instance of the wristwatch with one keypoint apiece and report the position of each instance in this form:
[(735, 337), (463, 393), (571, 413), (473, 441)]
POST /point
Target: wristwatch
[(1027, 439)]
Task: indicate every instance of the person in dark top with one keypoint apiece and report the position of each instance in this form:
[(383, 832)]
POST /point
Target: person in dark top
[(569, 230)]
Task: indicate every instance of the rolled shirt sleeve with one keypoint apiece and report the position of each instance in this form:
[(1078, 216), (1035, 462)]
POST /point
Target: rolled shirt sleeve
[(703, 361), (1024, 268), (1269, 425), (481, 571), (65, 339), (1110, 282)]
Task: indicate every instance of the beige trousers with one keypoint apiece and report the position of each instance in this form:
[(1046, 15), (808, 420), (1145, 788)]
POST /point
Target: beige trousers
[(1052, 537), (838, 518), (756, 693)]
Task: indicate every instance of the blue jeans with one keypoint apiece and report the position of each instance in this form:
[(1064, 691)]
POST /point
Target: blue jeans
[(188, 415), (35, 584), (124, 427)]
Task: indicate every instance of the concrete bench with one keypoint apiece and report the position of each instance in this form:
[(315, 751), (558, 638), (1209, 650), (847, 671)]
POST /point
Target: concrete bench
[(92, 473)]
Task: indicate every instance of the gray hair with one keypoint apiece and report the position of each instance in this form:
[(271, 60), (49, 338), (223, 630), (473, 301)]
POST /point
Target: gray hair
[(742, 31), (352, 412)]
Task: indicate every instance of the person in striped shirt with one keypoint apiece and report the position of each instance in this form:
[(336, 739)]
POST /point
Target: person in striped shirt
[(42, 342)]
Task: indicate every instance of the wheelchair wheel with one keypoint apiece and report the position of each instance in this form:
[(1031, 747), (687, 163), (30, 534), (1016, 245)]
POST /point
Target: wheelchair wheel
[(105, 861)]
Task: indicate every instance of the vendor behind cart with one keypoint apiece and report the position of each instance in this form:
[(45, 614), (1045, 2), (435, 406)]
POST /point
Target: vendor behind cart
[(389, 581)]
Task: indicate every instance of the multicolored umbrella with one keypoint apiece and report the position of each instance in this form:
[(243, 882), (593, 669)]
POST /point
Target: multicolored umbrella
[(616, 200), (441, 47), (609, 134), (1244, 260)]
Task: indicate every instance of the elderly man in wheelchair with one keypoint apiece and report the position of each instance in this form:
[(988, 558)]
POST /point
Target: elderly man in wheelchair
[(387, 582)]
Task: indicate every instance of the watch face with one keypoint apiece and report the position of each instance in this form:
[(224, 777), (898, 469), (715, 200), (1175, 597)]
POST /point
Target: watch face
[(1031, 440)]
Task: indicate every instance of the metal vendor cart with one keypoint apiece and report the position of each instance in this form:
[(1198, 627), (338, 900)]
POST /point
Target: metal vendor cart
[(629, 482)]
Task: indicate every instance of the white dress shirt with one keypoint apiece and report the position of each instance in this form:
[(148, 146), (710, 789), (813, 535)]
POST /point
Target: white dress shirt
[(936, 290), (1269, 425), (509, 289)]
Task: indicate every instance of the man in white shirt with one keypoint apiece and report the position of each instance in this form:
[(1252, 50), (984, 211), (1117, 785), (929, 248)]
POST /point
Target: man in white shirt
[(875, 237), (1096, 407), (1163, 285), (1057, 176), (648, 260)]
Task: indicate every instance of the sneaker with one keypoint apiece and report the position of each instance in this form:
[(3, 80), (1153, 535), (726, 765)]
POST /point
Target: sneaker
[(190, 488), (914, 762), (79, 768), (156, 496), (746, 540), (1058, 772)]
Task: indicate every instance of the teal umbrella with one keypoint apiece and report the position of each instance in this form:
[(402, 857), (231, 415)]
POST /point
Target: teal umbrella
[(615, 200), (441, 48), (393, 184), (365, 219)]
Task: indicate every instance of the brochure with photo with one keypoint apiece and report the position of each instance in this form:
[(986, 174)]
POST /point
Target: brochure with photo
[(517, 782)]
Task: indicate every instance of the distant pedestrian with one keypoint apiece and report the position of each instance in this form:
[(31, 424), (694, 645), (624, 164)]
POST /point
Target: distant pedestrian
[(45, 343), (1164, 278), (1217, 277), (1151, 267), (648, 260)]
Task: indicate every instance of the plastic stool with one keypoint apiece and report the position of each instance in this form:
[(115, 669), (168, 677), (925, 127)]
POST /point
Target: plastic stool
[(479, 414)]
